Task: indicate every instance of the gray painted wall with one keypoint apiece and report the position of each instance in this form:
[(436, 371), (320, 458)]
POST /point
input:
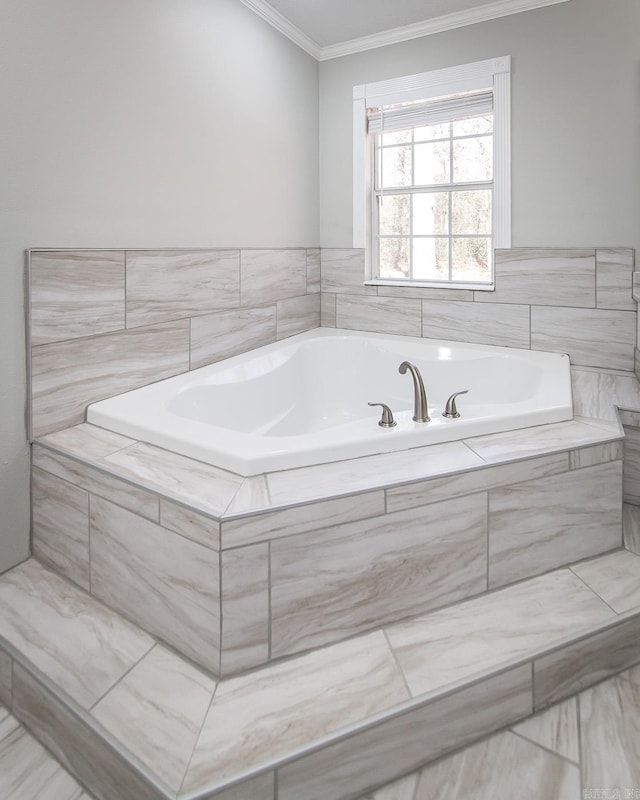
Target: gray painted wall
[(575, 119), (140, 124)]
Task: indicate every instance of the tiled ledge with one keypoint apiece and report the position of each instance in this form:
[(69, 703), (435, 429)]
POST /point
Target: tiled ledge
[(223, 496), (130, 719)]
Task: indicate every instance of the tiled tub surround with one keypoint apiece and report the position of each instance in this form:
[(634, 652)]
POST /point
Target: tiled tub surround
[(105, 321), (102, 322), (575, 301), (132, 720), (236, 572)]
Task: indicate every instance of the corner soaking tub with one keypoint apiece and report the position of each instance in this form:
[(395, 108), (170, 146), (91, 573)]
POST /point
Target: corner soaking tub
[(303, 400)]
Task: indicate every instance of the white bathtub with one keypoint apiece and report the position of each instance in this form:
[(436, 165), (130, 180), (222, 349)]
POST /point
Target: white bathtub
[(304, 400)]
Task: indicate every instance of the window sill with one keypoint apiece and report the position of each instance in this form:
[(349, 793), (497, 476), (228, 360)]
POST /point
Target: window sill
[(476, 287)]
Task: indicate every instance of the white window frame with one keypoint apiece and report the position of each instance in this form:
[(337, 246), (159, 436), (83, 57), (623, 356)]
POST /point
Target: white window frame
[(496, 73)]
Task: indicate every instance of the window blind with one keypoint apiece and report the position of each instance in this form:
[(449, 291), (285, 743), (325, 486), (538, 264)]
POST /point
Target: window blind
[(415, 115)]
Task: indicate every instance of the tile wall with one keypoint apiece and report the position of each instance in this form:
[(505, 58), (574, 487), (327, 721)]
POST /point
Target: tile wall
[(103, 322), (106, 321), (631, 483), (575, 301)]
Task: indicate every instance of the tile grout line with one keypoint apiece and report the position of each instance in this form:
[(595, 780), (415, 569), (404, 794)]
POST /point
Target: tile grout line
[(197, 741), (488, 521), (394, 656), (130, 669), (542, 747), (269, 607), (580, 748), (89, 539), (590, 588)]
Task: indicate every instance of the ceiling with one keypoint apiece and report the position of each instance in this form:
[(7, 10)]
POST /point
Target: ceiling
[(330, 28)]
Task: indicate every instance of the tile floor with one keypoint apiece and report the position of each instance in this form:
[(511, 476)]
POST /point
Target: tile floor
[(585, 748)]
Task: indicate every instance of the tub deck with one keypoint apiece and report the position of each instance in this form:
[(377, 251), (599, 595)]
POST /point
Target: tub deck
[(304, 401)]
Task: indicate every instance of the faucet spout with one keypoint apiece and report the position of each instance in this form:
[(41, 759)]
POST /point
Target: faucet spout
[(420, 405)]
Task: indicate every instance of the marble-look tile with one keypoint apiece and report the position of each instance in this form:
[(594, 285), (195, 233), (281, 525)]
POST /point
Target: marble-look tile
[(596, 392), (379, 314), (6, 671), (556, 729), (200, 485), (424, 293), (163, 285), (67, 376), (423, 492), (544, 277), (544, 523), (541, 439), (270, 275), (187, 522), (360, 474), (328, 310), (343, 272), (591, 337), (598, 454), (261, 716), (259, 788), (335, 582), (87, 442), (402, 789), (313, 270), (77, 642), (253, 495), (164, 582), (300, 519), (614, 270), (78, 748), (632, 465), (610, 734), (632, 675), (629, 418), (71, 291), (60, 526), (458, 642), (27, 771), (631, 527), (403, 743), (228, 333), (571, 668), (490, 323), (97, 482), (298, 314), (244, 599), (157, 710), (502, 766), (615, 578)]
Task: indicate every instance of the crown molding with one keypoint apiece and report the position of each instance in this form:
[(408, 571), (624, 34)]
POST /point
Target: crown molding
[(447, 22), (282, 24)]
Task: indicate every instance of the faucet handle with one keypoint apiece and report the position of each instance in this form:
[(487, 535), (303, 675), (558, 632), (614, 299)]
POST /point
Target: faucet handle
[(387, 420), (450, 410)]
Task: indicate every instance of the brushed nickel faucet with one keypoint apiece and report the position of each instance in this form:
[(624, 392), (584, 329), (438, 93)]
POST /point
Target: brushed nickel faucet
[(420, 405)]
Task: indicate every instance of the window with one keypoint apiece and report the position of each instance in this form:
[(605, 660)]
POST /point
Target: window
[(431, 175)]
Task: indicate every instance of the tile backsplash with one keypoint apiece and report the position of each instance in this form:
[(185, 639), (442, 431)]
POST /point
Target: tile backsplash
[(103, 322), (575, 301)]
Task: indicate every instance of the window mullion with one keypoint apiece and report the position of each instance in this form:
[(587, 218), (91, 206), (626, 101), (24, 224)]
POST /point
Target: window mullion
[(450, 198)]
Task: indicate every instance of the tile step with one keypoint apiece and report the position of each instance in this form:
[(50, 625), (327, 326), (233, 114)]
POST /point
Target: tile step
[(27, 771), (131, 719)]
